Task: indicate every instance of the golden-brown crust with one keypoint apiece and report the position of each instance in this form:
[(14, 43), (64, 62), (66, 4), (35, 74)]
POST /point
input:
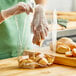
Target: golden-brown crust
[(68, 42), (64, 46), (74, 52), (62, 49), (49, 58), (68, 54), (38, 60)]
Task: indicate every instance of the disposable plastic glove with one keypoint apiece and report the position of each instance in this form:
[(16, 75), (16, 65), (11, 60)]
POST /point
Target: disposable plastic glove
[(17, 9), (39, 25)]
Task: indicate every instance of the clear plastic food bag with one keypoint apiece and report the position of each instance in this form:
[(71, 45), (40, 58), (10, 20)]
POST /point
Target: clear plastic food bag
[(31, 55)]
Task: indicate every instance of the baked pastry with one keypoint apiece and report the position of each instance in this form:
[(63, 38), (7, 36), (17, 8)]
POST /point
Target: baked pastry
[(62, 48), (74, 52), (68, 42), (68, 54), (35, 60)]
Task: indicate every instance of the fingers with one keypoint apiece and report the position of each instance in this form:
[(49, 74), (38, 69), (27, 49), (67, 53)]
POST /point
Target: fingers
[(31, 10), (37, 38), (42, 35), (28, 9), (33, 28), (39, 34), (43, 32), (40, 28), (23, 7)]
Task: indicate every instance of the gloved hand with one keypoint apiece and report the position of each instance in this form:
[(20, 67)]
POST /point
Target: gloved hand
[(17, 9), (39, 25)]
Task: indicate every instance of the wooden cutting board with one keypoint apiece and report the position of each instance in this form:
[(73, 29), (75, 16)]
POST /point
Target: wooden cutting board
[(59, 58), (62, 59)]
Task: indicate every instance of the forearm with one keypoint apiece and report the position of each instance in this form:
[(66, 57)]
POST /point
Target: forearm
[(1, 18), (21, 7), (43, 2), (7, 14)]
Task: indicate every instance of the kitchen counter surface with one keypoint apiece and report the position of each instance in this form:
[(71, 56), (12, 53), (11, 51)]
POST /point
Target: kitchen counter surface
[(9, 67)]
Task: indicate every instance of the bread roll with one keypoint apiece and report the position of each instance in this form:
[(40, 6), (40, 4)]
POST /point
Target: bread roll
[(67, 41), (74, 52), (62, 49), (68, 54)]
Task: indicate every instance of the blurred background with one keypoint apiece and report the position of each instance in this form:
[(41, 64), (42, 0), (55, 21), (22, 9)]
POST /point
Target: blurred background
[(61, 5)]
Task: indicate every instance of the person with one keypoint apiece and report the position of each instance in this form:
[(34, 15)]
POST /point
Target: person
[(39, 23), (8, 31)]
